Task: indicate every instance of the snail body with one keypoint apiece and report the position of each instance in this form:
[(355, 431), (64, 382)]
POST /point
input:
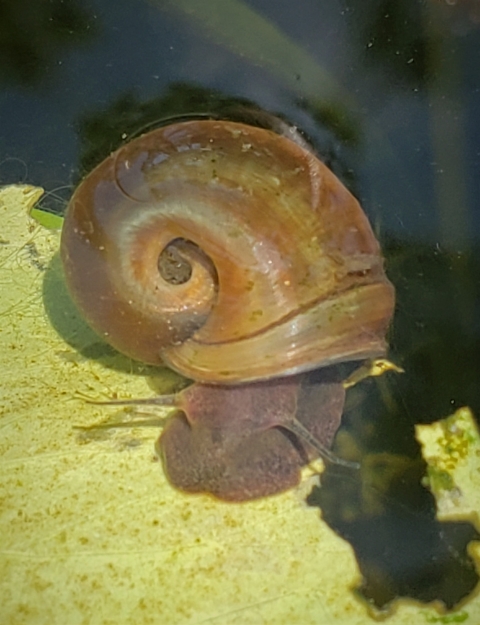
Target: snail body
[(238, 438), (234, 256)]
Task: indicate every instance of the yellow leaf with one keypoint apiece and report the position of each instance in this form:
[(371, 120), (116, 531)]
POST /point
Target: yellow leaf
[(90, 530)]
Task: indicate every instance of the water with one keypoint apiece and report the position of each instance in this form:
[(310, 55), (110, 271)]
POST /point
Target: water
[(389, 94)]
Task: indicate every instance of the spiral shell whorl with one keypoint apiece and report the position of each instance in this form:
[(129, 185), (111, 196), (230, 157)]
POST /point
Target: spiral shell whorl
[(286, 274)]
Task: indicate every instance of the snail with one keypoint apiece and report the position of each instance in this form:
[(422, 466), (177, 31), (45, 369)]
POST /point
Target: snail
[(233, 255)]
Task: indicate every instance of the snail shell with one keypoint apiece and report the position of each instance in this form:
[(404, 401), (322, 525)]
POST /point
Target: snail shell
[(227, 252)]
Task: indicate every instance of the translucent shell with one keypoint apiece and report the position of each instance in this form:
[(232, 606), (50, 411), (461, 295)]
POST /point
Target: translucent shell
[(278, 269)]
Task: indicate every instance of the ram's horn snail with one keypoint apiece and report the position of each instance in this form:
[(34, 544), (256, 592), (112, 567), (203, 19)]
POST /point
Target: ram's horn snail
[(236, 257)]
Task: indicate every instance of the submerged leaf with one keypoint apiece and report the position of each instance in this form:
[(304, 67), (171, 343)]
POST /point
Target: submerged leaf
[(91, 531)]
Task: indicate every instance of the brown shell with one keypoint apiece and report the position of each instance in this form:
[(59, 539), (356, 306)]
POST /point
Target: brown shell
[(286, 274)]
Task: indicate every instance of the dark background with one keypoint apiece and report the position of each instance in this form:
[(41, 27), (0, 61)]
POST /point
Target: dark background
[(389, 93), (399, 83)]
